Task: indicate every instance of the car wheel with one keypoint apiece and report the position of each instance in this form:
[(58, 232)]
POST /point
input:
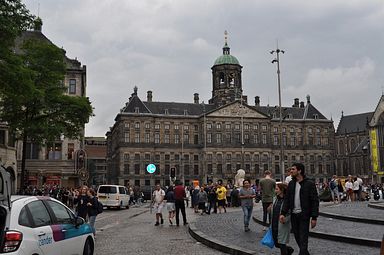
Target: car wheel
[(88, 248)]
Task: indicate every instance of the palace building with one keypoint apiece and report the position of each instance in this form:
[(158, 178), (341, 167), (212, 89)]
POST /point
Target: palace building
[(212, 141)]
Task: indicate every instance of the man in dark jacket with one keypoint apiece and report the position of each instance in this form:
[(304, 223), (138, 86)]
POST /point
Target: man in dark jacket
[(302, 202)]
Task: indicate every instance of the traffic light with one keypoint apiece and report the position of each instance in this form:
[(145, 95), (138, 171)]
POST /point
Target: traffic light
[(173, 172)]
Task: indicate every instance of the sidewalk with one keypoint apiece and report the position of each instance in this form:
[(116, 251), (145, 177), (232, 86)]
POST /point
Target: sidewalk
[(225, 231)]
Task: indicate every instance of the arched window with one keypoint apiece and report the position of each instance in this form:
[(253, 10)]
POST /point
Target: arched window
[(221, 77)]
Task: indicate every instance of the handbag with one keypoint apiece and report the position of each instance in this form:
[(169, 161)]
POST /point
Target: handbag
[(268, 239)]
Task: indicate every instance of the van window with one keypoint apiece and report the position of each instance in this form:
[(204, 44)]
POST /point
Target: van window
[(121, 190), (108, 189)]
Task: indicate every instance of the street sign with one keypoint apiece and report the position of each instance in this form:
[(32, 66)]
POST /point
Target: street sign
[(151, 168)]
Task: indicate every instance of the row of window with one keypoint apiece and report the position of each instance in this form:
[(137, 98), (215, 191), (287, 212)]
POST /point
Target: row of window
[(229, 138), (228, 156), (229, 169), (228, 126)]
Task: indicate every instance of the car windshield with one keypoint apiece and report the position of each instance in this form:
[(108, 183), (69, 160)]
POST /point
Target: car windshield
[(108, 189)]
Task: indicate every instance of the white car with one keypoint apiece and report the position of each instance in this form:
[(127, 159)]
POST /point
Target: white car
[(40, 225)]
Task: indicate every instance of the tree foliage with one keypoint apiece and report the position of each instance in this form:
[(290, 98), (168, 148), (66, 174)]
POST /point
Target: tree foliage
[(35, 102), (14, 18)]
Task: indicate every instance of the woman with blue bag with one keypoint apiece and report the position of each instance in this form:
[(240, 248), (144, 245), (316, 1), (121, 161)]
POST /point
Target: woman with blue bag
[(280, 231)]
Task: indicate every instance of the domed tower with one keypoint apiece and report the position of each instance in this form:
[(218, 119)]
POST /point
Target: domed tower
[(226, 78)]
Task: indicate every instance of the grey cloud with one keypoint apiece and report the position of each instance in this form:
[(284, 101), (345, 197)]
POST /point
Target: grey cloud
[(169, 47)]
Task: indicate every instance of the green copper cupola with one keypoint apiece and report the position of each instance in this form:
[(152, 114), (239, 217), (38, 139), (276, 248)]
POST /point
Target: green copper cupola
[(226, 77)]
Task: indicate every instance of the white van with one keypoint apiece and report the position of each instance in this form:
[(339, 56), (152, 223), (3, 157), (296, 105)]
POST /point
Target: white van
[(113, 196)]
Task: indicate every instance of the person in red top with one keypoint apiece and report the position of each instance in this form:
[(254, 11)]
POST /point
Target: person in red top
[(180, 196)]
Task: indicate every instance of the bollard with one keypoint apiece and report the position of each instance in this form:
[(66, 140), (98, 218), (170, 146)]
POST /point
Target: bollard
[(382, 246)]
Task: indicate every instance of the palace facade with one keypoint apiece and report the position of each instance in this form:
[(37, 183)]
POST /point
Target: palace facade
[(212, 141)]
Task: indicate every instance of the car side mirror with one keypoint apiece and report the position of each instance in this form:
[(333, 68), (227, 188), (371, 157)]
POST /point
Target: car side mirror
[(79, 221)]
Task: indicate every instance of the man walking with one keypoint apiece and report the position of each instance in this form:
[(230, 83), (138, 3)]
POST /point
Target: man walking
[(334, 189), (158, 197), (247, 194), (302, 202), (180, 196), (267, 187)]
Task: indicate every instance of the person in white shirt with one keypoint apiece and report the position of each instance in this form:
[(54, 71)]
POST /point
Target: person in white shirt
[(289, 176), (158, 198), (360, 181), (355, 188), (349, 189)]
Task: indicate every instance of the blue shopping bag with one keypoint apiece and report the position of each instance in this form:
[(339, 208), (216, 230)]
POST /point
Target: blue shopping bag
[(268, 239)]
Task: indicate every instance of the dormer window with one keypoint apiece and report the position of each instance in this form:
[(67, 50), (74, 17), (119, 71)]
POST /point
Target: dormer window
[(166, 112), (315, 116), (185, 112), (137, 110)]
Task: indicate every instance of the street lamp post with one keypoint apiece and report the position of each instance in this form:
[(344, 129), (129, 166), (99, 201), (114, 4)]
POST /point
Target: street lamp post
[(277, 60)]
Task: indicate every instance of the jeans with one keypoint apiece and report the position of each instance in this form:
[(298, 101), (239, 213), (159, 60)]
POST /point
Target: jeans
[(92, 220), (247, 210), (266, 213), (300, 228), (179, 204), (212, 203), (334, 192)]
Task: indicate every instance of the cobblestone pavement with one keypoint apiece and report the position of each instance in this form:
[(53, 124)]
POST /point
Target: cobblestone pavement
[(228, 228), (355, 209), (342, 227), (133, 232)]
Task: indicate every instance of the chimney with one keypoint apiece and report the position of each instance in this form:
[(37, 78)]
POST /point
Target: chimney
[(257, 101), (149, 96), (308, 99), (302, 104), (196, 98), (296, 103)]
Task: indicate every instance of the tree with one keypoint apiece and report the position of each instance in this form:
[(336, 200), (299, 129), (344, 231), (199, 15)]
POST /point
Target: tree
[(33, 100)]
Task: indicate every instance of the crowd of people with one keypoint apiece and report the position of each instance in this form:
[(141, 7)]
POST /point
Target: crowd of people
[(82, 200), (293, 205)]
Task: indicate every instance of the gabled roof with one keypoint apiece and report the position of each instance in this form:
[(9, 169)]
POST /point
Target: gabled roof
[(173, 108), (354, 123), (306, 113), (377, 114), (135, 103), (236, 109), (38, 35)]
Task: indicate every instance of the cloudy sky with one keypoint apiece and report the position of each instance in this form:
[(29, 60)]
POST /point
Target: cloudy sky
[(333, 50)]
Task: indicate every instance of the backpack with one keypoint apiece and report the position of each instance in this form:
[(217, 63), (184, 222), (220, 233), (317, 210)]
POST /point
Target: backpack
[(99, 207)]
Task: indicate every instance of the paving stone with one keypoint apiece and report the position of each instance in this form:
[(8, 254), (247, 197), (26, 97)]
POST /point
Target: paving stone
[(355, 209), (228, 228)]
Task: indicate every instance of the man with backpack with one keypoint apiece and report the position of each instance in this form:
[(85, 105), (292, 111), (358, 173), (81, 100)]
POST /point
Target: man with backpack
[(334, 189)]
